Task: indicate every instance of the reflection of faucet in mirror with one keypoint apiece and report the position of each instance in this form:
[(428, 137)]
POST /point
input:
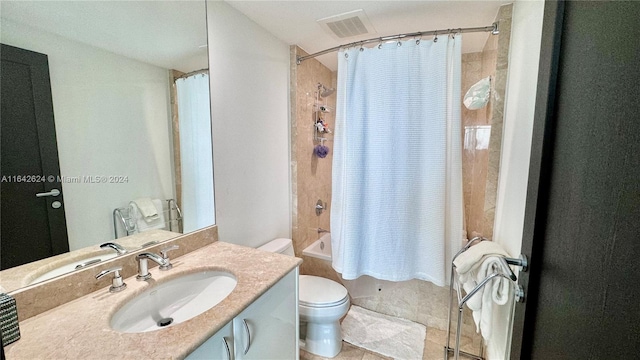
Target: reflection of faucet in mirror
[(111, 102), (111, 245)]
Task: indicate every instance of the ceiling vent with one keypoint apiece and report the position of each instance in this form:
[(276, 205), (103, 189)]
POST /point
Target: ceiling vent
[(349, 24)]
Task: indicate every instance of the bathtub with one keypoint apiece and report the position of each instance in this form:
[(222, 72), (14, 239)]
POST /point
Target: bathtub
[(320, 249)]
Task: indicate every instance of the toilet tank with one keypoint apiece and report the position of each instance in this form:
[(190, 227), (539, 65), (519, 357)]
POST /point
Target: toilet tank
[(280, 245)]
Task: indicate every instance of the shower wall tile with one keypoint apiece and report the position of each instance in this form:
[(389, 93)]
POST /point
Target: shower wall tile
[(293, 134), (471, 73), (474, 157), (501, 46), (312, 176), (480, 164)]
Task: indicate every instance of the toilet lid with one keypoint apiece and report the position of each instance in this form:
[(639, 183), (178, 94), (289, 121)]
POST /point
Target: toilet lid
[(320, 292)]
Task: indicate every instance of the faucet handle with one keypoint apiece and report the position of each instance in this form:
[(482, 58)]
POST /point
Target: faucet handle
[(115, 246), (165, 255), (117, 284), (164, 251)]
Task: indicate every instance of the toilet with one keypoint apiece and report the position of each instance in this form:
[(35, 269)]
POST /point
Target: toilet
[(322, 303)]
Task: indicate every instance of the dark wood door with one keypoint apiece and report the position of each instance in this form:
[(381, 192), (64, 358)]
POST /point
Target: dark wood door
[(32, 228), (582, 223)]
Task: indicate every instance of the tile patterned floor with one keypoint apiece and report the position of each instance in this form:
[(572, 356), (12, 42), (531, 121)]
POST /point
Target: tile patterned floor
[(433, 349)]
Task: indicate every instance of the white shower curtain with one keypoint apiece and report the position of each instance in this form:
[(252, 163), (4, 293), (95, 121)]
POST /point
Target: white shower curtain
[(196, 153), (396, 210)]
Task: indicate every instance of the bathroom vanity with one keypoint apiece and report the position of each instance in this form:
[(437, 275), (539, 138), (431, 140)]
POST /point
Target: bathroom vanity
[(257, 319), (266, 329)]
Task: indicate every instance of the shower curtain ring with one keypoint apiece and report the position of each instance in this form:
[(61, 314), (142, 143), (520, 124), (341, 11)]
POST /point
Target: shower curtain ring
[(435, 36)]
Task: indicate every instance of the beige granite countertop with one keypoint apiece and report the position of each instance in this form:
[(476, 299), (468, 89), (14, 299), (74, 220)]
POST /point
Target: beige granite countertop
[(80, 329)]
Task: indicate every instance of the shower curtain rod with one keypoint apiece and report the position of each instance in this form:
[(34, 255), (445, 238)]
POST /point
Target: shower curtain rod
[(493, 29), (186, 75)]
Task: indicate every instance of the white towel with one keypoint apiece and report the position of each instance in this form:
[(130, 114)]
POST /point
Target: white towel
[(497, 291), (147, 209), (141, 222), (473, 266), (472, 257)]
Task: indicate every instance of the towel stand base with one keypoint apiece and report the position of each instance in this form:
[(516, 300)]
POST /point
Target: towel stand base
[(448, 350)]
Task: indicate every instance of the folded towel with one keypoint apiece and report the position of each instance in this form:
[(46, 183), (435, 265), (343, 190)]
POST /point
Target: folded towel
[(497, 291), (472, 257), (147, 209), (142, 223)]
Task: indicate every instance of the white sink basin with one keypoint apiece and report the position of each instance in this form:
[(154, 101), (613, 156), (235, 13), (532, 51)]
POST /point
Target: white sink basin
[(173, 301)]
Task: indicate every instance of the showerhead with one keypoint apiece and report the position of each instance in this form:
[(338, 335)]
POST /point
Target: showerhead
[(325, 92)]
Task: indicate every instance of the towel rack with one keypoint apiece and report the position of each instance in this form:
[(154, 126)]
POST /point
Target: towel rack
[(124, 217), (506, 273)]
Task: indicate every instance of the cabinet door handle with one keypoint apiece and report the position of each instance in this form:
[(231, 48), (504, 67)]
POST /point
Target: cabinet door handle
[(247, 345), (226, 347)]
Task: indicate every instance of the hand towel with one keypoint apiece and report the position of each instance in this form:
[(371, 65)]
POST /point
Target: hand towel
[(141, 222), (147, 209)]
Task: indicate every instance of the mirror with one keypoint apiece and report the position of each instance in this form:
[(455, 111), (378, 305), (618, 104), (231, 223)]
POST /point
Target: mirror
[(130, 103)]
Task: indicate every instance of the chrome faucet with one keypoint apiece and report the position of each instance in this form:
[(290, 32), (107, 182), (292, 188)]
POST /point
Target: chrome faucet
[(117, 247), (143, 265), (321, 230), (165, 255), (117, 284)]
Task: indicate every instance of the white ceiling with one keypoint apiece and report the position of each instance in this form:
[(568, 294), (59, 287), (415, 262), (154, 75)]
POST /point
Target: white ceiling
[(170, 34), (294, 22)]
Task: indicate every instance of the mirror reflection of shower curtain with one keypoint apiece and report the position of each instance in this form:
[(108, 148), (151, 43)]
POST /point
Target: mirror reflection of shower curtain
[(396, 211), (196, 152)]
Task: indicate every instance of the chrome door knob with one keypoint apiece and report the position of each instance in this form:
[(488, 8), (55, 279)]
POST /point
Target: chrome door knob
[(53, 192)]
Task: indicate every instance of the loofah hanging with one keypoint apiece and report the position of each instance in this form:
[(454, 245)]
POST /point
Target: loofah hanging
[(321, 151)]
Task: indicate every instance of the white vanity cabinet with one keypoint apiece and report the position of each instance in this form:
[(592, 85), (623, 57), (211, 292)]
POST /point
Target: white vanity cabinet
[(266, 329), (219, 346)]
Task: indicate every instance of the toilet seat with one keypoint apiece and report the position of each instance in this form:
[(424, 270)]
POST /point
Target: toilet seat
[(318, 292)]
